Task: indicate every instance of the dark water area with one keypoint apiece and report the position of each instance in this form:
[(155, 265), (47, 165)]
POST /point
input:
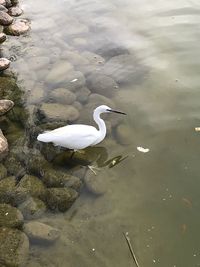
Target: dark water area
[(141, 57)]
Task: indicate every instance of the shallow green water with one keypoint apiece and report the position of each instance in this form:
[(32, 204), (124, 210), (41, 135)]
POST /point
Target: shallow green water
[(153, 196)]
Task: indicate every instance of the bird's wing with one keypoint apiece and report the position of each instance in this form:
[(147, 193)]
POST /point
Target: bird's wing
[(72, 136)]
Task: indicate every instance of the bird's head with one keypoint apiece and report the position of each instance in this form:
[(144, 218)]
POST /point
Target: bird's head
[(106, 109)]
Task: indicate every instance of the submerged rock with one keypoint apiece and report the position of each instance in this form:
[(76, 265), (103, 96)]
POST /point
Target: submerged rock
[(32, 208), (56, 178), (7, 189), (83, 94), (60, 198), (15, 11), (4, 63), (41, 233), (59, 112), (63, 96), (18, 27), (13, 165), (123, 134), (3, 172), (102, 84), (14, 247), (5, 105), (3, 2), (5, 19), (10, 216), (3, 146)]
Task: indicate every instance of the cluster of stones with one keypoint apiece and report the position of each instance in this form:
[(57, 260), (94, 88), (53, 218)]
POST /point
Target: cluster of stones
[(10, 25)]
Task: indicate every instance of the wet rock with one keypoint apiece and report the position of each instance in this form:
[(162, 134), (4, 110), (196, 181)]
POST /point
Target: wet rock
[(56, 178), (4, 63), (109, 50), (7, 187), (78, 105), (10, 216), (8, 3), (124, 134), (5, 19), (58, 72), (58, 112), (2, 37), (124, 69), (33, 185), (32, 208), (41, 233), (18, 27), (14, 247), (101, 84), (63, 96), (3, 172), (5, 106), (79, 42), (83, 94), (36, 163), (15, 11), (60, 198), (74, 80), (13, 165), (3, 146), (14, 2)]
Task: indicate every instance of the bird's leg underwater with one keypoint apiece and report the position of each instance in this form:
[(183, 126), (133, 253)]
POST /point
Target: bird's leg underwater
[(93, 169), (78, 151)]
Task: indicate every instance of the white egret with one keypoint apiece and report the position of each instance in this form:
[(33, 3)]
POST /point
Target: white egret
[(79, 136)]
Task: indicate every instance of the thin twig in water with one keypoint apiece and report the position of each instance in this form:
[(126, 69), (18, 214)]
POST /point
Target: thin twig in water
[(131, 248)]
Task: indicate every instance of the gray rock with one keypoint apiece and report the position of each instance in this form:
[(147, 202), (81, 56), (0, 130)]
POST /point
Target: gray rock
[(3, 8), (3, 146), (5, 106), (14, 2), (125, 69), (93, 58), (14, 247), (63, 96), (3, 2), (58, 72), (7, 187), (83, 94), (36, 95), (15, 11), (78, 105), (5, 19), (8, 3), (124, 134), (32, 208), (98, 99), (59, 112), (33, 185), (10, 216), (18, 27), (56, 178), (101, 84), (75, 58), (74, 80), (4, 63), (41, 233), (3, 172), (2, 37), (80, 42), (37, 63), (60, 198)]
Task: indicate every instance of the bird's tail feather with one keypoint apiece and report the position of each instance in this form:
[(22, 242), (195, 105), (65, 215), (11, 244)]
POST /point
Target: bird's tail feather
[(45, 137)]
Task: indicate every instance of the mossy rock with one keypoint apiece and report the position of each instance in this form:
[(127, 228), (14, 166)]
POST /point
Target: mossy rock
[(14, 247), (60, 198), (10, 216), (56, 178), (13, 165), (32, 208), (37, 164), (3, 171), (7, 85), (7, 188), (33, 185)]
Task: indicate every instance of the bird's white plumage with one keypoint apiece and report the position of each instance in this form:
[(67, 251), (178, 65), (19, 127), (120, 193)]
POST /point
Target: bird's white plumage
[(78, 136)]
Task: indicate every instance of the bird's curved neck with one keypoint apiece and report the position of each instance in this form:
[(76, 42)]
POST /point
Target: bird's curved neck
[(101, 124)]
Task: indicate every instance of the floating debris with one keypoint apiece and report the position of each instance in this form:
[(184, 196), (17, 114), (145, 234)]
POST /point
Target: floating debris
[(197, 129), (142, 149), (74, 80)]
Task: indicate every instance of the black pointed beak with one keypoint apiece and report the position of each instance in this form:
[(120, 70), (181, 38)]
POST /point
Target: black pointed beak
[(116, 111)]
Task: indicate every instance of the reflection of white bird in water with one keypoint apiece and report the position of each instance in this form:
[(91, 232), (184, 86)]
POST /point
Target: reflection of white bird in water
[(79, 136)]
